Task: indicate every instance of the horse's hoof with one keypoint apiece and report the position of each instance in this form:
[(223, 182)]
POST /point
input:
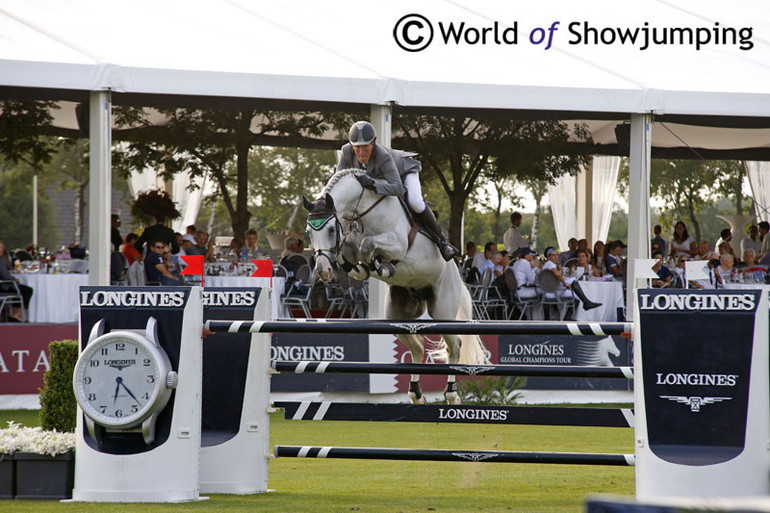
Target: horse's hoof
[(452, 398), (415, 399)]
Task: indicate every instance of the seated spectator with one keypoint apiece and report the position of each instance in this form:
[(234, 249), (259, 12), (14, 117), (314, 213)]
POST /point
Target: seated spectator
[(480, 258), (470, 250), (704, 251), (291, 247), (129, 250), (614, 261), (5, 275), (188, 241), (665, 276), (725, 271), (725, 235), (236, 245), (202, 245), (597, 259), (571, 252), (568, 283), (250, 250), (524, 270), (155, 267), (489, 263), (584, 263), (750, 269), (727, 248)]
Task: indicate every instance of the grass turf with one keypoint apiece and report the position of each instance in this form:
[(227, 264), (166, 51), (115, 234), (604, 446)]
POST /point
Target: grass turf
[(308, 485)]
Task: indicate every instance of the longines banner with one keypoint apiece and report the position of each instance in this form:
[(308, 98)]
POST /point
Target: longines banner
[(567, 351), (696, 361)]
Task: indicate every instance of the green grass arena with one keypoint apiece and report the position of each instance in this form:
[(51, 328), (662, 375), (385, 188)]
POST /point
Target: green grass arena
[(308, 485)]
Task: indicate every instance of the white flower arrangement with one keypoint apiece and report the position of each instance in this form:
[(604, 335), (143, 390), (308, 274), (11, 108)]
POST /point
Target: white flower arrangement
[(16, 438)]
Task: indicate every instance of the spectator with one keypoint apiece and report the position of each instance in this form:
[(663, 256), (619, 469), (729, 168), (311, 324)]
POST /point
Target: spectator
[(752, 241), (188, 241), (524, 270), (656, 232), (598, 258), (480, 258), (568, 283), (614, 262), (764, 228), (155, 267), (571, 252), (725, 235), (681, 242), (250, 249), (513, 240), (115, 236), (191, 230), (202, 246), (129, 250), (725, 272), (5, 275), (750, 269), (726, 247), (490, 263), (664, 273), (158, 231), (470, 250), (704, 251), (584, 263)]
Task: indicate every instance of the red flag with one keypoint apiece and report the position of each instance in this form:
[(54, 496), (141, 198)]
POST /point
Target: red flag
[(264, 268), (194, 264)]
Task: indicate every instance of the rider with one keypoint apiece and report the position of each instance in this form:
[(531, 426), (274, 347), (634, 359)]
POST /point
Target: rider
[(391, 173)]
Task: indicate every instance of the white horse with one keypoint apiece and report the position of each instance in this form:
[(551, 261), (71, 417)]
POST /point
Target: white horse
[(361, 230)]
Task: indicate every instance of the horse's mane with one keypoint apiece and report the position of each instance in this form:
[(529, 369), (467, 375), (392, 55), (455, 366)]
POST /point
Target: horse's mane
[(336, 177)]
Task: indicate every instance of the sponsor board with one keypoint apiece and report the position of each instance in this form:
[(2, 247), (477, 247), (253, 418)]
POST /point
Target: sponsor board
[(696, 362)]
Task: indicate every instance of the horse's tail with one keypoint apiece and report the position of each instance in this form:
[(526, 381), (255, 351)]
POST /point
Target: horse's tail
[(472, 350)]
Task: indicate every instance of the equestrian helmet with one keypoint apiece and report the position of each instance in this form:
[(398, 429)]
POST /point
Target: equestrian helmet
[(361, 133)]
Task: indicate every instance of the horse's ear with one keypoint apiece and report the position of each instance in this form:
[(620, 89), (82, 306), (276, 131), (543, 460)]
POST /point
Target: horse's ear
[(329, 202), (307, 204)]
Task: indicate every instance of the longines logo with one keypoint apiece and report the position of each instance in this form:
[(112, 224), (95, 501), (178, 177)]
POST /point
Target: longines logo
[(120, 364), (695, 402), (132, 298), (475, 456), (471, 414), (715, 380), (229, 298), (297, 353), (698, 302)]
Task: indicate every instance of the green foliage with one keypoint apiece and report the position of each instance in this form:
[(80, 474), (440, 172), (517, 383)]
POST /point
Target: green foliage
[(58, 408), (22, 124), (491, 390), (16, 208), (154, 204)]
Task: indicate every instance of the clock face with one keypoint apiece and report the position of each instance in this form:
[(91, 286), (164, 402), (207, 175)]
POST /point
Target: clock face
[(118, 379)]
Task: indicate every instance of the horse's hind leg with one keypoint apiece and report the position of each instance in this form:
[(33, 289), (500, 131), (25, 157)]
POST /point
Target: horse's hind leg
[(416, 347)]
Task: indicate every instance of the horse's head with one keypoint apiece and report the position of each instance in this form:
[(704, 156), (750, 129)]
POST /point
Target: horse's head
[(324, 230)]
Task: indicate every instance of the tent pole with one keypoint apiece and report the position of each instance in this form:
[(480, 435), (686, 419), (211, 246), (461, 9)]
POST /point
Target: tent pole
[(638, 201), (100, 187)]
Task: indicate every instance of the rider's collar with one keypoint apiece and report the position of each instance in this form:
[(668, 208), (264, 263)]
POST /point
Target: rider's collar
[(318, 220)]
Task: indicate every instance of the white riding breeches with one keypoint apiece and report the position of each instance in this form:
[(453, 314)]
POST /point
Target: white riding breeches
[(414, 192)]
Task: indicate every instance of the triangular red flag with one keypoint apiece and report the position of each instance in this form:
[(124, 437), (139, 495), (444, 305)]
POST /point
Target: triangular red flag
[(264, 268), (194, 264)]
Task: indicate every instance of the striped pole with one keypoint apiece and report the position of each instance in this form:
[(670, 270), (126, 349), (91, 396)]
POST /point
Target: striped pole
[(370, 453), (322, 367), (451, 414), (428, 327)]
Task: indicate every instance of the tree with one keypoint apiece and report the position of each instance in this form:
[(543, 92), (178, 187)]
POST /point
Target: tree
[(69, 166), (686, 185), (210, 142), (458, 151), (538, 189), (22, 124)]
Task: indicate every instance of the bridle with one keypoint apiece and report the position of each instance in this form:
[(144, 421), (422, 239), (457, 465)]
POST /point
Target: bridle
[(317, 220)]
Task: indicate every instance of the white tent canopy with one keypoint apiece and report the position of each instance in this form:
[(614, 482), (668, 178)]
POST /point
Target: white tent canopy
[(714, 96)]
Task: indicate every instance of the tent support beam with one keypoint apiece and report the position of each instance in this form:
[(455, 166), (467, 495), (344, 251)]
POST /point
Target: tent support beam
[(638, 200), (100, 187)]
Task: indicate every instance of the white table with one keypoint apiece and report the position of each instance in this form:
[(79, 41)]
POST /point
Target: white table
[(608, 293), (54, 296)]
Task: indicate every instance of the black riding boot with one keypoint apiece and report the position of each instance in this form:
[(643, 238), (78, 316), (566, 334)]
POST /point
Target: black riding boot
[(587, 303), (428, 221)]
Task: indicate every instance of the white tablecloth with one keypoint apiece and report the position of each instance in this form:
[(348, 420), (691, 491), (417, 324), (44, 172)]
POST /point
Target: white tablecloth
[(608, 293), (54, 297)]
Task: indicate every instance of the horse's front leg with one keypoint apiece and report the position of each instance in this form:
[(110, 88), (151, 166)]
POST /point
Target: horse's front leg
[(381, 250)]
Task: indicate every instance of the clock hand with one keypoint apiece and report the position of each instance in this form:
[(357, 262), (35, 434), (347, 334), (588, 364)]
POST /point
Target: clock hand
[(119, 381), (129, 391)]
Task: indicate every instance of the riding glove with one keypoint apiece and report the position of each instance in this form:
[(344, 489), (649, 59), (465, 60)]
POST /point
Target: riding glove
[(366, 181)]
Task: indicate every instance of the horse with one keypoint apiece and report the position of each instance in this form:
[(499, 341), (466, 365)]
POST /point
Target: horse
[(367, 234)]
